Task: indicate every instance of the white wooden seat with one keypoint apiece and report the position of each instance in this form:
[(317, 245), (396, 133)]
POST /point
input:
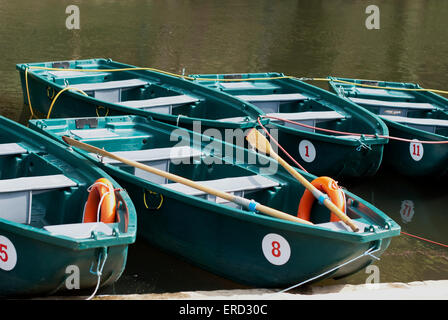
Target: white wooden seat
[(100, 133), (349, 137), (236, 185), (109, 91), (271, 102), (394, 107), (309, 115), (174, 153), (247, 85), (395, 104), (79, 230), (426, 124), (160, 104), (384, 92), (7, 149), (244, 85), (341, 226), (16, 194), (75, 74), (233, 119), (109, 85), (273, 97), (159, 158), (310, 118)]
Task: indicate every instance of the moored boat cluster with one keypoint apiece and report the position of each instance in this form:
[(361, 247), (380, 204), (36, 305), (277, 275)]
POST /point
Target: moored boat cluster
[(226, 171)]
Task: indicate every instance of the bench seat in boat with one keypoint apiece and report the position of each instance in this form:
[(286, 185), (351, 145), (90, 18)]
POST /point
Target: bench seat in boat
[(238, 186), (109, 91), (16, 194)]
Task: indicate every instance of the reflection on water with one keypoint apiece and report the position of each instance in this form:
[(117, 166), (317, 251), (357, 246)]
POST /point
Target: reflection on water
[(418, 205), (304, 38)]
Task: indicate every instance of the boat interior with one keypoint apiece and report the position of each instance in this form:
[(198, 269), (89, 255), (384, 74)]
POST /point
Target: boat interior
[(283, 100), (34, 189), (140, 89), (40, 190), (407, 108), (149, 142)]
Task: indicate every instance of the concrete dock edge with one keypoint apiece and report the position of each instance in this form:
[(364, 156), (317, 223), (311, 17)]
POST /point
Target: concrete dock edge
[(418, 290)]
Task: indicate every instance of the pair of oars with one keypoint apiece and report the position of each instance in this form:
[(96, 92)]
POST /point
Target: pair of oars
[(256, 139)]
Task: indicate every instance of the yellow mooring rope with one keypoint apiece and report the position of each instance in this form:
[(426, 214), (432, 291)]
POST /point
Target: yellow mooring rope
[(202, 79), (57, 96), (380, 87)]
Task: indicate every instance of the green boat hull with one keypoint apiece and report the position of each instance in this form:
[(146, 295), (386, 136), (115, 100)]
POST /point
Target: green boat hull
[(407, 158), (43, 89), (39, 261), (226, 240), (336, 157)]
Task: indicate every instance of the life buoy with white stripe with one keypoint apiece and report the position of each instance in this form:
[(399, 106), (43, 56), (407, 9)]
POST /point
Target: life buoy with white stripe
[(328, 186), (101, 203)]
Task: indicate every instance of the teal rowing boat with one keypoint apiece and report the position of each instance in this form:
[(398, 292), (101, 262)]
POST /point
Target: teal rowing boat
[(218, 235), (99, 87), (308, 120), (419, 119), (46, 244)]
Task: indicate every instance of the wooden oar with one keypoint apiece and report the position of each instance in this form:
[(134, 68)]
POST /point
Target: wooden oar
[(246, 203), (257, 140)]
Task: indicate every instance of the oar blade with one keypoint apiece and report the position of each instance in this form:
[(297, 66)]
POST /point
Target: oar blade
[(257, 140)]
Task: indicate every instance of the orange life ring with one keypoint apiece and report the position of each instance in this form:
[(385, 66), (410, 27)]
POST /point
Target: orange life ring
[(101, 191), (328, 186)]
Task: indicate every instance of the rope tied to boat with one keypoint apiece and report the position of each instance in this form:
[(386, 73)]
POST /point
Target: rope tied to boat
[(226, 80), (365, 135), (178, 118), (233, 79), (102, 107), (50, 109), (279, 146), (423, 239), (362, 145), (153, 193)]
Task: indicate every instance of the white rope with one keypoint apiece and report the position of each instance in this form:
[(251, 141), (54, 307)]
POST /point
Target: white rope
[(368, 252), (96, 288), (98, 211), (178, 118), (99, 273), (99, 268)]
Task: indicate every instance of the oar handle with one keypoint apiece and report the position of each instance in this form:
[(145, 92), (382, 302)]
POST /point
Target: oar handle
[(248, 204), (260, 142)]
